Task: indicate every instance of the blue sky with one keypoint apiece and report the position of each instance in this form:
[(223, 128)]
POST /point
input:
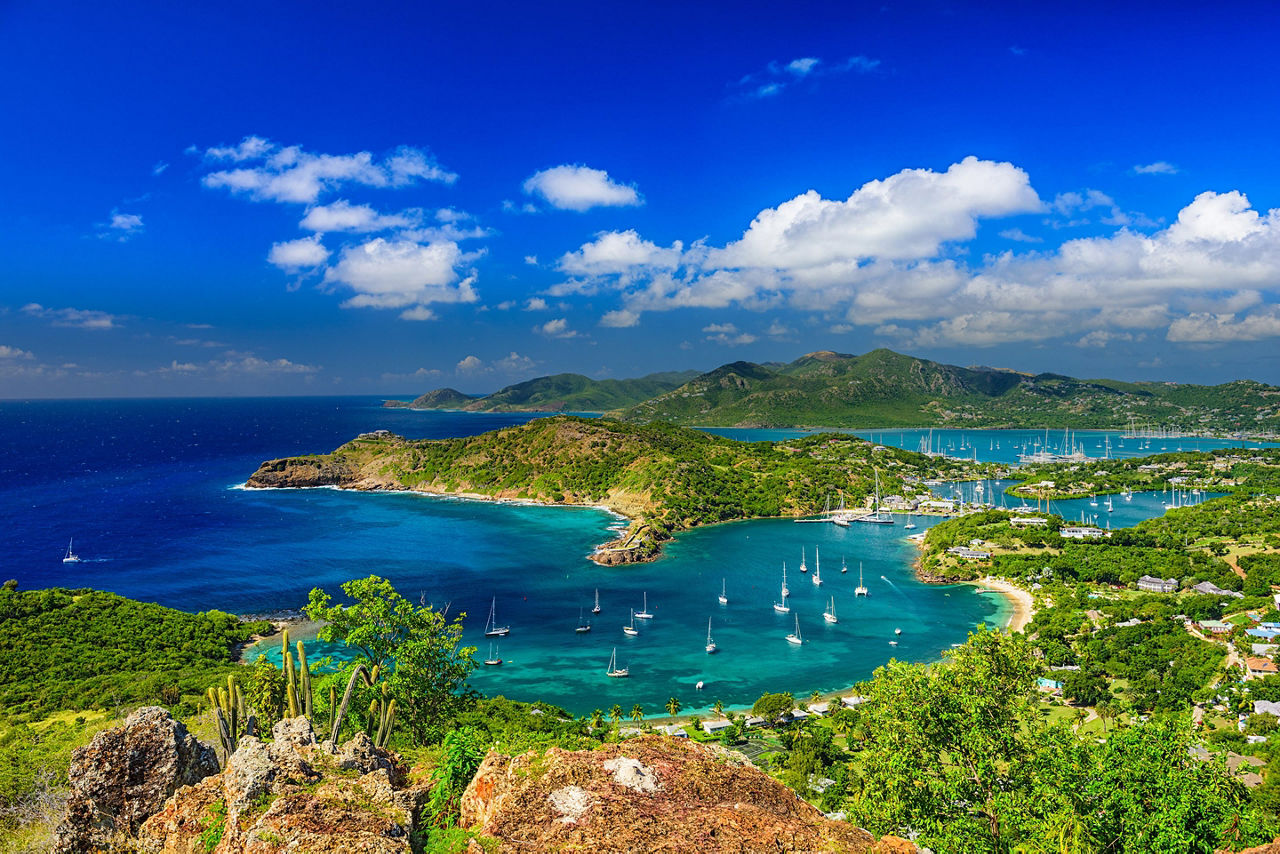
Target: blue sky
[(386, 198)]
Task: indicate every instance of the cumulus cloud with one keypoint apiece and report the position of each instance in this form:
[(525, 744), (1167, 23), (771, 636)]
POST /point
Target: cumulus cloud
[(579, 188), (1160, 167), (401, 273), (344, 216), (535, 304), (8, 353), (121, 226), (305, 253), (250, 364), (890, 257), (265, 171), (72, 317), (1019, 235), (727, 334), (557, 328), (511, 364)]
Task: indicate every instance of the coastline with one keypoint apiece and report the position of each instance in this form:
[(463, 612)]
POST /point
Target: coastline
[(1023, 603)]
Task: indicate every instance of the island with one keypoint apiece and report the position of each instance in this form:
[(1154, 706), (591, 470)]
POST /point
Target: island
[(662, 478)]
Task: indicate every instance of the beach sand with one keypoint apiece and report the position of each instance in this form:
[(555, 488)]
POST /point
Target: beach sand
[(1024, 607)]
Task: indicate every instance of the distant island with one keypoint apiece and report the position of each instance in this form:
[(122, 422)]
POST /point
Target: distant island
[(661, 477), (885, 389)]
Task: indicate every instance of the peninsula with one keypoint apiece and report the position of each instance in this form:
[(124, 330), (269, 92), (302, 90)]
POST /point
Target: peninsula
[(662, 478)]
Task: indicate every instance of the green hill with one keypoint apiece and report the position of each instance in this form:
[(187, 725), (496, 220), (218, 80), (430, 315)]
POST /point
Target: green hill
[(887, 389), (664, 478), (556, 393)]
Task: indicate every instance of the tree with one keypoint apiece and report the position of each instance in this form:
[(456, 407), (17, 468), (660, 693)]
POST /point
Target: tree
[(674, 707), (597, 718), (615, 713), (718, 708), (772, 706), (637, 713), (1085, 688), (417, 643)]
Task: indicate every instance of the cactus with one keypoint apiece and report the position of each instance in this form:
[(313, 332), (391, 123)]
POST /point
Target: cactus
[(381, 710), (333, 709), (305, 700), (229, 714)]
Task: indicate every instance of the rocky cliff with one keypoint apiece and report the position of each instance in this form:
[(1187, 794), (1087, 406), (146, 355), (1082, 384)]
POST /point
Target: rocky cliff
[(649, 794)]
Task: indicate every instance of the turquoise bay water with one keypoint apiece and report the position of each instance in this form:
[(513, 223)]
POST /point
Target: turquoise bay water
[(149, 491)]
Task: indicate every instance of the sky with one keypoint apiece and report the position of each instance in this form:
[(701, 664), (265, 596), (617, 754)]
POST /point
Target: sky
[(378, 198)]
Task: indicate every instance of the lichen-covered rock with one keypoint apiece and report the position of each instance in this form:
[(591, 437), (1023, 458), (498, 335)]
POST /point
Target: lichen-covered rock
[(291, 795), (649, 794), (125, 775)]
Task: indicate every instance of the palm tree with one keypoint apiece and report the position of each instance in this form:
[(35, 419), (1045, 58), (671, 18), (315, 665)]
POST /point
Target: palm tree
[(815, 696), (637, 713), (597, 718), (674, 707), (615, 714), (718, 708)]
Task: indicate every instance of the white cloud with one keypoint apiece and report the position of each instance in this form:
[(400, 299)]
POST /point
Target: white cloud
[(531, 260), (777, 76), (469, 365), (250, 364), (72, 317), (1160, 167), (401, 273), (121, 226), (418, 312), (302, 254), (535, 304), (511, 364), (344, 216), (268, 172), (557, 328), (891, 257), (727, 334), (1019, 235), (778, 329), (159, 168), (579, 188), (8, 353), (801, 67)]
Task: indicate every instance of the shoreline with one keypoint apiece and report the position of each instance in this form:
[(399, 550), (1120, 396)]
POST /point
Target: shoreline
[(1023, 603)]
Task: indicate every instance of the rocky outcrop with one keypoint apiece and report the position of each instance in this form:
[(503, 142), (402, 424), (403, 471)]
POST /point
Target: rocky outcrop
[(649, 794), (291, 794), (296, 472), (125, 775)]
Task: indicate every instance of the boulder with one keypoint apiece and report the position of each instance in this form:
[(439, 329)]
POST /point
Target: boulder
[(125, 775), (648, 794), (291, 794)]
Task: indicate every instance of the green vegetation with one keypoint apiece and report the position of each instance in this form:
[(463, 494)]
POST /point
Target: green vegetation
[(85, 649), (558, 393), (887, 389), (665, 478)]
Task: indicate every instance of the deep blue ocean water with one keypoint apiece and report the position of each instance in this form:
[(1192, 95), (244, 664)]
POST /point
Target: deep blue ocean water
[(150, 491)]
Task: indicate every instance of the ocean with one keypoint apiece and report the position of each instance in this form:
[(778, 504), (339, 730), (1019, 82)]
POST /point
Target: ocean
[(150, 491)]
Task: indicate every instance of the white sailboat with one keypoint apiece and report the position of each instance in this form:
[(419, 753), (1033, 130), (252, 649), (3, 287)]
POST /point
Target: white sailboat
[(724, 599), (910, 523), (817, 568), (493, 658), (804, 567), (878, 517), (843, 566), (711, 644), (1109, 507), (596, 609), (830, 614), (861, 589), (794, 637), (582, 628), (782, 607), (71, 557), (630, 628), (491, 628), (614, 670), (644, 610)]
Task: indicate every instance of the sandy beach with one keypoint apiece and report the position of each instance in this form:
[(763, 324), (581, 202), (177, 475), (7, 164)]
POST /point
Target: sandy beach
[(1024, 607)]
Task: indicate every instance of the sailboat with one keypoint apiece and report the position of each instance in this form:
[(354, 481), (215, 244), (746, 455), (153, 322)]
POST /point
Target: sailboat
[(794, 637), (630, 628), (879, 517), (830, 614), (817, 568), (492, 629), (782, 607), (614, 670), (804, 567), (910, 524), (843, 566), (861, 589), (1093, 501), (724, 599), (596, 609), (644, 610), (493, 659), (711, 644), (582, 627), (1109, 507), (71, 557)]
